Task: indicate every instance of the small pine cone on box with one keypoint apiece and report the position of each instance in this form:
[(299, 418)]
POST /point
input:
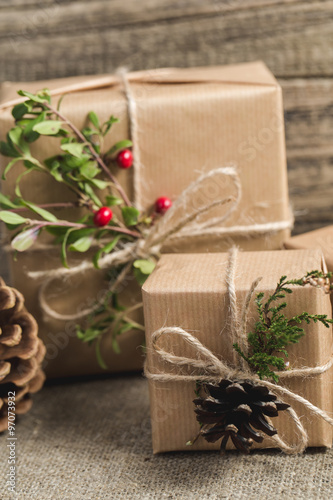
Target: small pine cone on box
[(233, 409), (21, 354)]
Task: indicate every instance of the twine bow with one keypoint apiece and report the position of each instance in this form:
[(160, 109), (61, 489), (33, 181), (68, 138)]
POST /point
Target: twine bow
[(168, 226), (207, 367)]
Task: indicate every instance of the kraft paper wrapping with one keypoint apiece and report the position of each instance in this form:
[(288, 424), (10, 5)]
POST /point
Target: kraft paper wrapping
[(66, 355), (189, 291), (190, 121), (320, 238)]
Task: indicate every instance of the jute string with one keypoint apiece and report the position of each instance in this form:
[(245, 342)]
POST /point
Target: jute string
[(182, 220), (209, 368), (134, 135)]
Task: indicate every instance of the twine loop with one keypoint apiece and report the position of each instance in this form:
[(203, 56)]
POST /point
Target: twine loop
[(207, 367)]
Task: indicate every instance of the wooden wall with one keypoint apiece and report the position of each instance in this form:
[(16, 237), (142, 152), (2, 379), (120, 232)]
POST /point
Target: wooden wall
[(57, 38)]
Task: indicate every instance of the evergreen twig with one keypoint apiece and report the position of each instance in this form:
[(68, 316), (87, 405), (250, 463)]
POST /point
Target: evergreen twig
[(274, 331)]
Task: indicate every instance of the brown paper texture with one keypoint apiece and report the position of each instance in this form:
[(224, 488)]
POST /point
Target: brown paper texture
[(66, 355), (189, 291), (190, 121), (320, 238)]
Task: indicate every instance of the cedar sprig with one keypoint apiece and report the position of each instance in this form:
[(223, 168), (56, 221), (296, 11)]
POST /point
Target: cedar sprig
[(274, 331), (86, 169)]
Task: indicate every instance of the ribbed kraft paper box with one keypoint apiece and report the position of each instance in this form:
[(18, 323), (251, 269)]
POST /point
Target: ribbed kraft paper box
[(189, 291), (190, 121)]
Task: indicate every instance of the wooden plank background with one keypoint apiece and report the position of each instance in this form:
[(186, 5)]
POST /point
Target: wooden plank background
[(55, 38)]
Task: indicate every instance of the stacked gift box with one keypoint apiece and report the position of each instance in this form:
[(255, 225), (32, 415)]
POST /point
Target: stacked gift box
[(190, 291)]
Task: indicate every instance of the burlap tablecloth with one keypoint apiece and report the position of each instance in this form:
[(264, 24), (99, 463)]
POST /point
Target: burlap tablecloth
[(91, 440)]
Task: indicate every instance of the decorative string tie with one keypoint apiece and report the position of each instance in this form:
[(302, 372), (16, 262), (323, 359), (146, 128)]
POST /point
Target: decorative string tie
[(208, 368)]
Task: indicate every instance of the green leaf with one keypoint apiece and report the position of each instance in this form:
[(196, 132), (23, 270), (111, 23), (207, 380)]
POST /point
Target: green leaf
[(99, 184), (106, 249), (89, 170), (12, 218), (45, 94), (89, 191), (113, 200), (33, 163), (142, 269), (57, 175), (82, 244), (60, 231), (25, 239), (146, 266), (9, 166), (126, 328), (19, 178), (115, 346), (94, 119), (29, 134), (74, 148), (40, 211), (32, 97), (80, 233), (139, 276), (130, 215), (54, 167), (48, 127), (5, 202), (64, 245), (15, 135), (100, 360), (52, 162), (88, 335), (119, 146), (71, 163), (108, 124), (20, 110), (8, 149), (88, 133), (60, 101), (114, 296)]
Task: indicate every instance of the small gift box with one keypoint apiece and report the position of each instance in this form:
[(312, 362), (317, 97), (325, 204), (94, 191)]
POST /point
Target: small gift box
[(187, 122), (196, 308)]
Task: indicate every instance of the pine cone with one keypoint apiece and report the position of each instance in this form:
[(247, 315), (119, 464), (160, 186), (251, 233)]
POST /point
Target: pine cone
[(233, 408), (21, 353)]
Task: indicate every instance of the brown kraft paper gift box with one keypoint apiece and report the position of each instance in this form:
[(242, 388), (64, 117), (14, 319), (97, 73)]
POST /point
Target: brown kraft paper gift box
[(190, 121), (189, 291)]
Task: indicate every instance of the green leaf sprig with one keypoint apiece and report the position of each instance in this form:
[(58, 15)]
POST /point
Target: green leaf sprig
[(83, 167), (274, 331)]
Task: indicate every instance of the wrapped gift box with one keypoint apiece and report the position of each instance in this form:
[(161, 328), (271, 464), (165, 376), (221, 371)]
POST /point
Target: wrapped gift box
[(189, 122), (189, 291)]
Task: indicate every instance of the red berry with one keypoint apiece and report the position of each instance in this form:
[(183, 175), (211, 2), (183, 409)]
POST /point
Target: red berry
[(103, 216), (125, 158), (162, 204)]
